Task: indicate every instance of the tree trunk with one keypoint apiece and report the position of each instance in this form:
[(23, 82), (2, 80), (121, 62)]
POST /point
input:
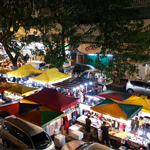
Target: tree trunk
[(13, 59), (15, 65)]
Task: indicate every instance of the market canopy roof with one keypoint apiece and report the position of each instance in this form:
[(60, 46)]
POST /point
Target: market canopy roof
[(22, 89), (17, 108), (52, 99), (50, 76), (135, 100), (115, 96), (73, 82), (2, 89), (8, 84), (4, 70), (32, 112), (41, 116), (24, 71), (117, 110)]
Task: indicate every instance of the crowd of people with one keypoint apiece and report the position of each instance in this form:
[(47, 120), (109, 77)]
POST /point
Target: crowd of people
[(8, 64), (105, 125)]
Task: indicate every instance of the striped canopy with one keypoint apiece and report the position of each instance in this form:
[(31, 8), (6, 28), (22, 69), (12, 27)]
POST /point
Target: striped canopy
[(73, 82), (115, 96), (117, 110)]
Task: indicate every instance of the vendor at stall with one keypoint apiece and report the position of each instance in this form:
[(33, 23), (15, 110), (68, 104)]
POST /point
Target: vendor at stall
[(135, 125), (141, 123), (88, 126), (105, 133)]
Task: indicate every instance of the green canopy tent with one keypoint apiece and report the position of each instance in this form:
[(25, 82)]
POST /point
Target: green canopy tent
[(117, 110)]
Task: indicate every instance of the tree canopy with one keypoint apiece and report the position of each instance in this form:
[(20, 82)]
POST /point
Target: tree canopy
[(14, 16), (118, 30)]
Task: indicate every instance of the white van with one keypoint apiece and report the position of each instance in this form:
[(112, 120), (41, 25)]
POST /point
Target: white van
[(21, 134)]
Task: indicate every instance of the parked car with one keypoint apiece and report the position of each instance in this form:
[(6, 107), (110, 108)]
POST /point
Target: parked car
[(79, 68), (137, 86), (101, 77), (21, 134), (67, 69), (80, 145)]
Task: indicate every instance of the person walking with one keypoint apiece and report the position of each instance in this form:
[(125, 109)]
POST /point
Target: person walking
[(105, 133), (88, 126), (135, 125)]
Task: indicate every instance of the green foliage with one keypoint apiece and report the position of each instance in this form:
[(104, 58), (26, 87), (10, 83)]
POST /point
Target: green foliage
[(60, 24), (122, 34), (13, 14), (118, 31)]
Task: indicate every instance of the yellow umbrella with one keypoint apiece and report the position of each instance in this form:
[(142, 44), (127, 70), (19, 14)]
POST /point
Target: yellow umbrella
[(50, 76), (24, 71), (22, 89)]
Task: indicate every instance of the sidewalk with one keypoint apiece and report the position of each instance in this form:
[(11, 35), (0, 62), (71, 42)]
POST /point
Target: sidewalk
[(122, 83)]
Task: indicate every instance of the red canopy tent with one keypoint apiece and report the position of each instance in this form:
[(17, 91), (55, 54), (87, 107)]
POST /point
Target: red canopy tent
[(52, 99)]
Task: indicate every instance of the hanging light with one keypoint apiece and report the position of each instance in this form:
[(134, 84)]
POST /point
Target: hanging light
[(148, 135), (140, 132), (11, 29), (81, 86), (86, 84), (77, 88), (90, 83)]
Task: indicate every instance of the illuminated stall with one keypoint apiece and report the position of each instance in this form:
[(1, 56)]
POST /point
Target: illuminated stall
[(49, 77)]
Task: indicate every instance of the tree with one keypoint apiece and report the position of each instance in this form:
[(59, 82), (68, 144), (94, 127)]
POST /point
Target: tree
[(122, 34), (14, 15), (58, 21), (119, 31)]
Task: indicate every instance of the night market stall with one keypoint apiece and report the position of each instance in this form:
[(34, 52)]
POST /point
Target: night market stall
[(74, 82), (22, 90), (126, 98), (8, 84), (32, 112), (74, 86), (4, 87), (42, 116), (117, 110), (52, 99), (24, 71), (18, 108), (115, 95), (121, 116), (50, 76)]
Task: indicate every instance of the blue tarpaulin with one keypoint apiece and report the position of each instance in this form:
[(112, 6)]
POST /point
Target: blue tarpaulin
[(27, 78)]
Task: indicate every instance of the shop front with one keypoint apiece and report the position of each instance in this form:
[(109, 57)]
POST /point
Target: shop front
[(88, 54), (121, 121)]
